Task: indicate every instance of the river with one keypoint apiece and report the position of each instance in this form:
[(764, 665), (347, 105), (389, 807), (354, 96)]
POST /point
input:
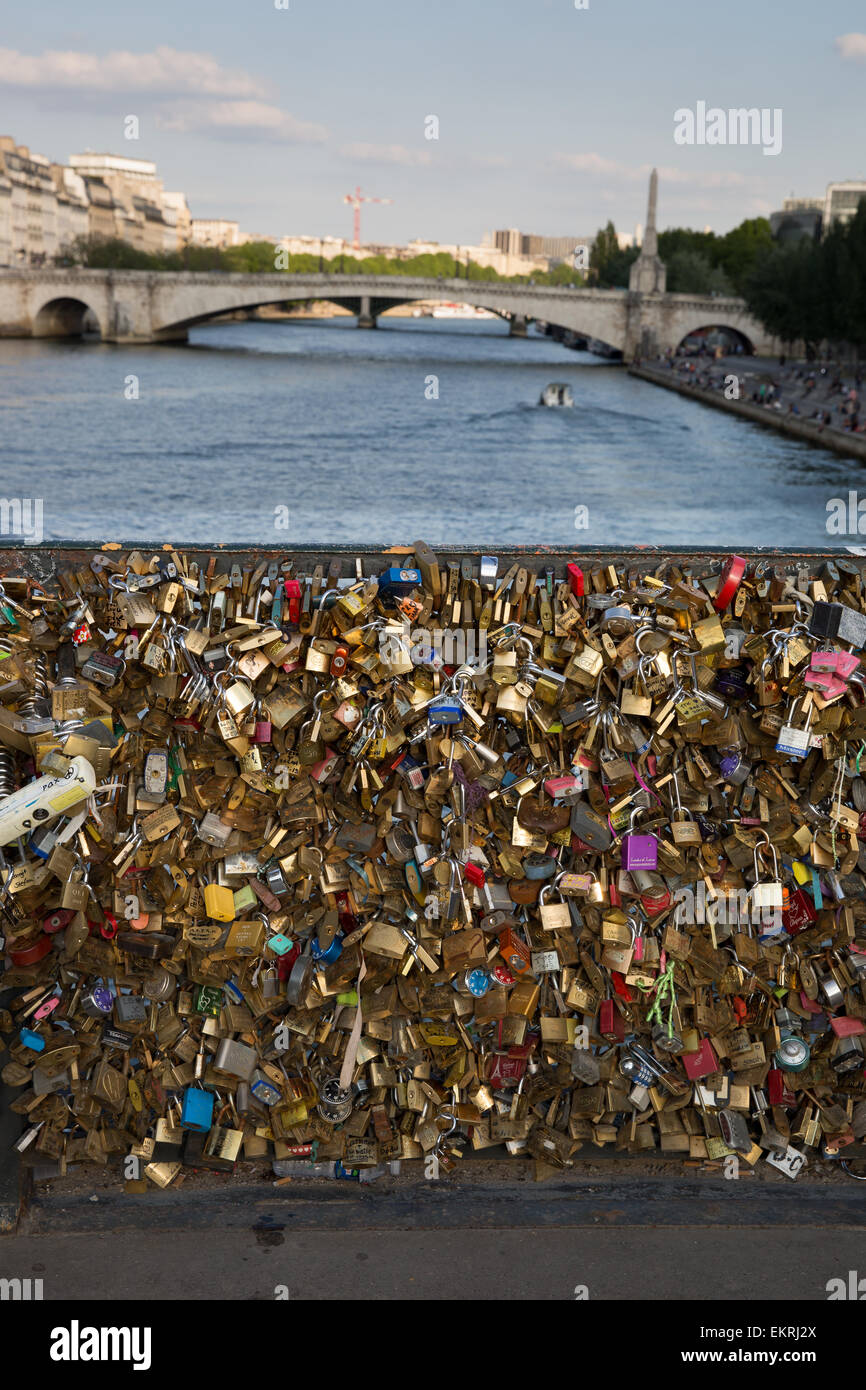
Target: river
[(286, 432)]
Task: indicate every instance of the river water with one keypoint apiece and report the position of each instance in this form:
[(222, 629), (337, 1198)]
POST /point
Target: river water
[(286, 432)]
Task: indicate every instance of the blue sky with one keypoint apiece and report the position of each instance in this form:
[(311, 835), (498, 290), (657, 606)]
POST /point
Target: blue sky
[(549, 116)]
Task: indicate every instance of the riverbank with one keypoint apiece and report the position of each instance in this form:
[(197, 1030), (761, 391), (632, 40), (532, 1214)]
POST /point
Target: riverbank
[(813, 432)]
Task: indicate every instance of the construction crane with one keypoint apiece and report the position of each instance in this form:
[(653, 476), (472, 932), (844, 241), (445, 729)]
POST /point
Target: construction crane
[(356, 199)]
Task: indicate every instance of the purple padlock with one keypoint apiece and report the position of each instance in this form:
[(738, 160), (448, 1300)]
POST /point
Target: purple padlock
[(639, 851), (97, 1002)]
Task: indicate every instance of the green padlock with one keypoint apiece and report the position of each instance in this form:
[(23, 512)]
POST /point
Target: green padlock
[(245, 900), (208, 1001)]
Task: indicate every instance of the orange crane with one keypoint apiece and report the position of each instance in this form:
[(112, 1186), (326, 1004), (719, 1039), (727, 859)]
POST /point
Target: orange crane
[(356, 199)]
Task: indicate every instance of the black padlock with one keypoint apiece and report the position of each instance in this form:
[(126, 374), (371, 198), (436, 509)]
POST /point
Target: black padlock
[(824, 619)]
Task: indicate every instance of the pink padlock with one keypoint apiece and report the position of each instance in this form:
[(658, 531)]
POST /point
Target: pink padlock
[(844, 1026), (562, 786), (830, 687), (841, 664)]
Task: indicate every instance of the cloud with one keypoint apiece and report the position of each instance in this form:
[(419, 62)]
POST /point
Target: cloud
[(385, 154), (852, 46), (239, 119), (490, 161), (625, 173), (585, 163), (164, 71), (719, 178)]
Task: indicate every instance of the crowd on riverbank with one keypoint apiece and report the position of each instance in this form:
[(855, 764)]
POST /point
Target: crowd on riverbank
[(827, 394)]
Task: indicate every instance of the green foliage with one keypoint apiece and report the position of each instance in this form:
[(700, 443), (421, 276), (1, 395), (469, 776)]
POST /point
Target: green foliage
[(260, 257), (732, 256), (609, 265), (253, 258), (690, 272), (814, 291)]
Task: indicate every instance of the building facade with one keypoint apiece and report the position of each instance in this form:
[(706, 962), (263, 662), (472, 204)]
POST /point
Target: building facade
[(28, 206), (841, 202), (214, 231)]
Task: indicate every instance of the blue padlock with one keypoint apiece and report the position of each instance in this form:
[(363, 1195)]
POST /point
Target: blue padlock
[(197, 1110), (34, 1041), (330, 954), (396, 582), (264, 1090), (445, 709)]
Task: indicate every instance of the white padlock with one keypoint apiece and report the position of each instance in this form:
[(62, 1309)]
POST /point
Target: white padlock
[(45, 799)]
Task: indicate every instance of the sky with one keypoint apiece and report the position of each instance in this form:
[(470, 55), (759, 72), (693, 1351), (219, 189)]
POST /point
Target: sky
[(548, 116)]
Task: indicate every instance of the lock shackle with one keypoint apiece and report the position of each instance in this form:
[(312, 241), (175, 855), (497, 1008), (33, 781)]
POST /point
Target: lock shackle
[(643, 632), (691, 657), (636, 811), (510, 638), (646, 661), (319, 601), (760, 848), (675, 778)]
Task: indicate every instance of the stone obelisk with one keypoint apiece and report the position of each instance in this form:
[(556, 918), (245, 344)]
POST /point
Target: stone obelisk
[(648, 274)]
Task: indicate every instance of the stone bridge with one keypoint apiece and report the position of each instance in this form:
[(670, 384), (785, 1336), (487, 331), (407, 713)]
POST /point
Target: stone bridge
[(138, 306)]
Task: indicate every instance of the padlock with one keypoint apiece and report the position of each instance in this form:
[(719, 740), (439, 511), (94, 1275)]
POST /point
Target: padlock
[(554, 916), (767, 898), (219, 902), (639, 851), (793, 741)]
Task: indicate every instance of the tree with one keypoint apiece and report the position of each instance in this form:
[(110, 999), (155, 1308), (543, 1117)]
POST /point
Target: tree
[(253, 258), (740, 249), (604, 249), (689, 273)]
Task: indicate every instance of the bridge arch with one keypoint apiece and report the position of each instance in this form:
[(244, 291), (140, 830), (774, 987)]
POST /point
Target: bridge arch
[(376, 304), (726, 335), (65, 316)]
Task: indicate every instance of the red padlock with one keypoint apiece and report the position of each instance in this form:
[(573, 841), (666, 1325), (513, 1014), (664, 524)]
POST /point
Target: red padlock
[(29, 955), (778, 1090), (610, 1022), (473, 873), (656, 900), (800, 912), (293, 601), (701, 1063), (575, 580), (285, 963), (108, 928), (56, 921), (730, 580), (339, 661)]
